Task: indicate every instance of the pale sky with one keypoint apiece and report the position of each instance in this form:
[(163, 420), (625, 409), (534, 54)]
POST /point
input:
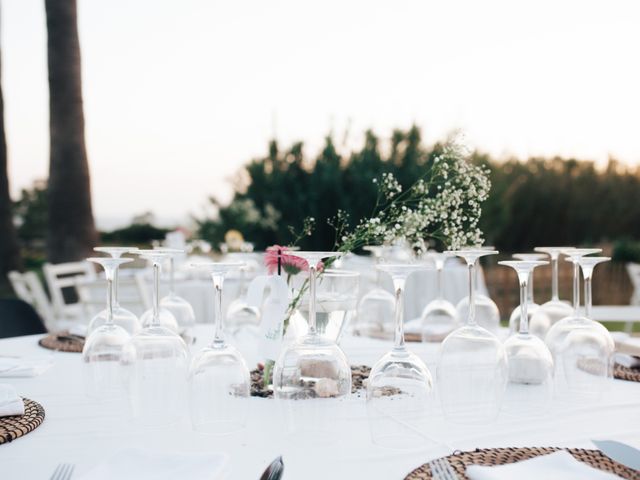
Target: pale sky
[(178, 94)]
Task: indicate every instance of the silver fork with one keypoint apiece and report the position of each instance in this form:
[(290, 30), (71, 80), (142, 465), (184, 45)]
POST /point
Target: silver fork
[(63, 472), (441, 469)]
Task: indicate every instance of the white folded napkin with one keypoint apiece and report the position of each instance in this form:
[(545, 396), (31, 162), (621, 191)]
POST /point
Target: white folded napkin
[(78, 329), (10, 401), (24, 367), (625, 360), (560, 465), (139, 464)]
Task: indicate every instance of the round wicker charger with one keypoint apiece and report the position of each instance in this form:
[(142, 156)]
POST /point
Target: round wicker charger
[(62, 342), (626, 373), (19, 425), (501, 456)]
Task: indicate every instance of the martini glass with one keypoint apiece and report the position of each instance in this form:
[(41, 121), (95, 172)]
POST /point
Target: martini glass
[(174, 303), (376, 307), (312, 374), (530, 387), (156, 257), (157, 364), (439, 317), (487, 314), (540, 323), (555, 309), (106, 345), (588, 349), (121, 316), (219, 380), (472, 369), (399, 384)]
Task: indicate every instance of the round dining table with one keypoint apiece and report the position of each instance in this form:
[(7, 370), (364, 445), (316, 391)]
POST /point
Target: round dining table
[(84, 431)]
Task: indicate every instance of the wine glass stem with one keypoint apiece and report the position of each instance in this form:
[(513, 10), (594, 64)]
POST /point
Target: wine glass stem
[(471, 320), (115, 287), (439, 273), (218, 336), (172, 282), (530, 287), (312, 299), (554, 278), (588, 300), (110, 301), (524, 300), (156, 288), (576, 287), (398, 284)]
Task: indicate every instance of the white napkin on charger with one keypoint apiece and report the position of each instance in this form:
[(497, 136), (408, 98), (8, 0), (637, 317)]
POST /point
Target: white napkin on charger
[(625, 360), (141, 464), (24, 367), (10, 401), (560, 465)]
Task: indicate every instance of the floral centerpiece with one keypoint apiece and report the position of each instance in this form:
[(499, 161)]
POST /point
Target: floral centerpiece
[(443, 205)]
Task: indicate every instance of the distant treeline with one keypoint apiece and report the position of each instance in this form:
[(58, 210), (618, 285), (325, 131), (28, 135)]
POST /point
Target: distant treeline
[(540, 201)]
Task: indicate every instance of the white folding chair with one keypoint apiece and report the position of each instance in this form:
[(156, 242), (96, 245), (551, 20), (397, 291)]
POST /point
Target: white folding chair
[(28, 287), (633, 269), (64, 276)]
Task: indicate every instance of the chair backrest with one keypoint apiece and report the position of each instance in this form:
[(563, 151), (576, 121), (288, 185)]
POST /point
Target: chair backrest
[(62, 281), (28, 287), (18, 318), (633, 269)]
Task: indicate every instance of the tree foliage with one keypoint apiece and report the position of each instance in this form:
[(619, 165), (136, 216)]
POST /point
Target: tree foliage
[(551, 201)]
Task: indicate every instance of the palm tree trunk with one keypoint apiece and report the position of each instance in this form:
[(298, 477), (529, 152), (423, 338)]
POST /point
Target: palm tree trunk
[(9, 249), (71, 232)]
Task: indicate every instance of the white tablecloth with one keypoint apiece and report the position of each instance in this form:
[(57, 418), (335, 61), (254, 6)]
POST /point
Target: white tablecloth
[(82, 431)]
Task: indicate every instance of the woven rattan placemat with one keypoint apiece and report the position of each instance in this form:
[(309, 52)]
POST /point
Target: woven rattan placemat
[(19, 425), (62, 342), (501, 456), (626, 373)]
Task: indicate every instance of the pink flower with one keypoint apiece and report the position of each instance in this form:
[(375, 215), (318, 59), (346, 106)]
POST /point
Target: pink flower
[(291, 265)]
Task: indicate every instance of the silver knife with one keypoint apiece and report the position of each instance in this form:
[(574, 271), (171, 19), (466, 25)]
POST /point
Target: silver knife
[(620, 452)]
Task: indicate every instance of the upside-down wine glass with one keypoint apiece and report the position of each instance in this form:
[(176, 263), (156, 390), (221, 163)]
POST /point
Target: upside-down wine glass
[(487, 314), (241, 317), (558, 332), (157, 363), (555, 309), (219, 382), (166, 318), (399, 384), (312, 374), (587, 350), (439, 317), (539, 323), (106, 345), (376, 307), (472, 368), (530, 386), (174, 303), (121, 316)]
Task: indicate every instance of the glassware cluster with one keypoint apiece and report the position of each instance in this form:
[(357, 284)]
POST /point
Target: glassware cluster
[(477, 376)]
